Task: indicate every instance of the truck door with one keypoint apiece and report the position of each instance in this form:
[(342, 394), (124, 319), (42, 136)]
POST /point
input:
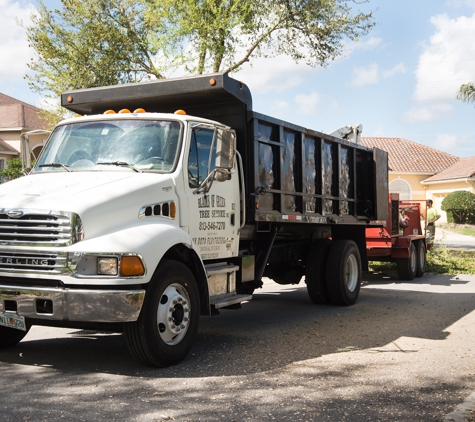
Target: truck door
[(214, 211)]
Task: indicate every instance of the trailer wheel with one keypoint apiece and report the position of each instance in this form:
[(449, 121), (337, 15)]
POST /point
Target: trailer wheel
[(407, 267), (344, 272), (11, 336), (168, 323), (316, 271), (421, 258)]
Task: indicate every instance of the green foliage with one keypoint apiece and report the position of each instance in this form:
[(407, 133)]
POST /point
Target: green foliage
[(467, 93), (13, 170), (461, 205), (90, 43)]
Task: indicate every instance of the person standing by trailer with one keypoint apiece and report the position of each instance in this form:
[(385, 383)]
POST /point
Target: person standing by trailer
[(432, 216)]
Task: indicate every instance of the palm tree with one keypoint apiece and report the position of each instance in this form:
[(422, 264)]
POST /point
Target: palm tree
[(467, 93)]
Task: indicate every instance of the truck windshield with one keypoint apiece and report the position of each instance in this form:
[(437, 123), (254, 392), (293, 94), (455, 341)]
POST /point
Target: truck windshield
[(120, 145)]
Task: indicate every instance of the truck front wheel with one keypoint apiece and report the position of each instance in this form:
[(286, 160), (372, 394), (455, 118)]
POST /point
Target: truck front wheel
[(11, 336), (344, 272), (316, 271), (407, 267), (168, 323)]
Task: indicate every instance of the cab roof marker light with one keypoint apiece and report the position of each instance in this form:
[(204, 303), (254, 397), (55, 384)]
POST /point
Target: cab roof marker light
[(124, 111), (139, 110), (78, 115), (182, 112), (109, 112)]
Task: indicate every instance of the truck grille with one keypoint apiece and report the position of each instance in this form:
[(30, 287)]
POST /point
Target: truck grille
[(25, 262), (20, 227)]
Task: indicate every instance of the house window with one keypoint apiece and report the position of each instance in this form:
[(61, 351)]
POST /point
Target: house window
[(401, 187)]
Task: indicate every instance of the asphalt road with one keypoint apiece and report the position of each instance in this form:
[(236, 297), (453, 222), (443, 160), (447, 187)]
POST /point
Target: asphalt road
[(404, 352)]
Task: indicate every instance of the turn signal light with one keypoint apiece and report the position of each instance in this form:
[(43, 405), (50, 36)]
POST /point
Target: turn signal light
[(131, 266)]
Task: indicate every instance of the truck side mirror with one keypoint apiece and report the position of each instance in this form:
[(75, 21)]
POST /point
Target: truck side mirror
[(225, 149)]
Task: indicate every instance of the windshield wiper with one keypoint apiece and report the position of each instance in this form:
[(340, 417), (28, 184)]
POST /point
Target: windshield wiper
[(64, 166), (121, 164)]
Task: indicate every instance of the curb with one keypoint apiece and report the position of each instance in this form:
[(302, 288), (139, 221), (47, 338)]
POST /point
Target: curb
[(464, 412)]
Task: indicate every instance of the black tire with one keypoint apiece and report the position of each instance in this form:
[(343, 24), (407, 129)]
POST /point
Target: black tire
[(316, 271), (407, 267), (167, 326), (344, 272), (11, 336), (421, 258)]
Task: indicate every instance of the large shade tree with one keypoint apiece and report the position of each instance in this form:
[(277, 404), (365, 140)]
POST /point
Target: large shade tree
[(88, 43)]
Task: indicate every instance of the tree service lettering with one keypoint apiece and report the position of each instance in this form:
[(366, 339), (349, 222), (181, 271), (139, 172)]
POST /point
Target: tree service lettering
[(211, 201)]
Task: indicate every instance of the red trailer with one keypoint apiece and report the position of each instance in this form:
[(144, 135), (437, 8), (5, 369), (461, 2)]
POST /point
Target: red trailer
[(401, 238)]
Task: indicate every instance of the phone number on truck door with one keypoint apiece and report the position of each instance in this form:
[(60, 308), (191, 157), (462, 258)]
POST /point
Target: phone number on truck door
[(212, 225)]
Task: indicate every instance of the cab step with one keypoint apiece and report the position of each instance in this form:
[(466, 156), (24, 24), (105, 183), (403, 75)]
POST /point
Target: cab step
[(228, 299)]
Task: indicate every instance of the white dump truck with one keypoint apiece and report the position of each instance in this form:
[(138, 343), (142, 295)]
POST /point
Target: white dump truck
[(166, 200)]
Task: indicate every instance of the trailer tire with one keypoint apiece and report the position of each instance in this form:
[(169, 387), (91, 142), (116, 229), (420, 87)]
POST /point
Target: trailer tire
[(407, 267), (168, 323), (344, 272), (421, 258), (11, 336), (316, 271)]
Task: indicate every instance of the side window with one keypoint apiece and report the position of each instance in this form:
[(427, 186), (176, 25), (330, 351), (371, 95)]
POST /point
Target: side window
[(201, 157)]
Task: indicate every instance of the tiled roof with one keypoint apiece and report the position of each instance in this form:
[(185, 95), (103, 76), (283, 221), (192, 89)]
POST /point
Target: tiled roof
[(15, 113), (463, 169), (7, 149), (410, 157)]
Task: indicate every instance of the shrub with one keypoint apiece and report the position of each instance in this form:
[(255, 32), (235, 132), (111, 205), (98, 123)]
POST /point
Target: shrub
[(13, 170), (461, 205)]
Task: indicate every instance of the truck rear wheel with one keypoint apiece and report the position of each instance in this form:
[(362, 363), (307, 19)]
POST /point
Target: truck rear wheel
[(344, 272), (168, 323), (421, 258), (316, 271), (407, 267), (11, 336)]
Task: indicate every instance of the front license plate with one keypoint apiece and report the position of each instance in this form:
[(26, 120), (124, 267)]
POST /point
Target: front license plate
[(13, 321)]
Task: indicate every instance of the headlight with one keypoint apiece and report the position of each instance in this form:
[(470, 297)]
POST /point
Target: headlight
[(107, 266)]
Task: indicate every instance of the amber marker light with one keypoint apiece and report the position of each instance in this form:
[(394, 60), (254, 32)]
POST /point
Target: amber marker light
[(78, 115), (109, 112), (139, 110), (183, 112), (257, 205), (172, 209), (212, 82), (70, 99), (124, 111), (131, 266)]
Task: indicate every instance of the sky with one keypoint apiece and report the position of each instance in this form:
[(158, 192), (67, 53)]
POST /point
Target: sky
[(399, 81)]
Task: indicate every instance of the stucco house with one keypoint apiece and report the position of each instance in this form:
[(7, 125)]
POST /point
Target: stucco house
[(417, 171), (16, 119)]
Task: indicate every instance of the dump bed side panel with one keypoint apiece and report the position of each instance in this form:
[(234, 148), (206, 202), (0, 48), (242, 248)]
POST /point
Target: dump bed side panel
[(306, 176)]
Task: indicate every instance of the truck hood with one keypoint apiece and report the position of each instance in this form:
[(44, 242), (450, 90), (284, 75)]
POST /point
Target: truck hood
[(103, 200)]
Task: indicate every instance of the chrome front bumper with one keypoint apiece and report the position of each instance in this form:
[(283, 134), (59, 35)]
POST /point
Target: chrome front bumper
[(69, 304)]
